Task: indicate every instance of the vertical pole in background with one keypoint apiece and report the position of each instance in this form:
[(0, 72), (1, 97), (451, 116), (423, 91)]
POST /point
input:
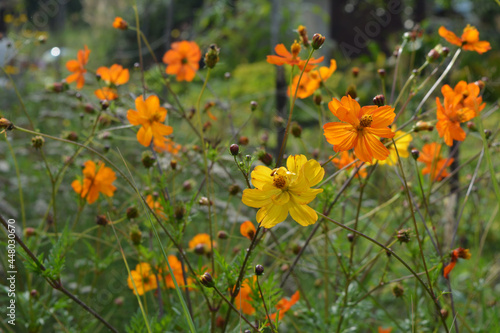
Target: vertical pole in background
[(281, 98)]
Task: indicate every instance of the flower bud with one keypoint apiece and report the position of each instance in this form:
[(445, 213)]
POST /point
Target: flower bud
[(480, 84), (148, 160), (234, 189), (204, 202), (445, 51), (104, 104), (265, 158), (34, 293), (355, 72), (173, 164), (381, 73), (317, 99), (88, 108), (379, 100), (101, 220), (398, 290), (433, 55), (187, 186), (296, 130), (350, 237), (179, 212), (423, 126), (403, 236), (212, 56), (259, 270), (444, 313), (119, 301), (132, 212), (222, 234), (303, 35), (234, 149), (207, 281), (487, 133), (415, 153), (351, 91), (317, 41), (296, 249), (253, 105), (199, 249), (28, 232), (136, 236), (278, 121), (243, 140), (37, 142), (71, 136), (6, 125)]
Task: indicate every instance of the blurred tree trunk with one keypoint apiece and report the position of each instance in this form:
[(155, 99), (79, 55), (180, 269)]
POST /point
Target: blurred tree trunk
[(281, 97), (419, 11)]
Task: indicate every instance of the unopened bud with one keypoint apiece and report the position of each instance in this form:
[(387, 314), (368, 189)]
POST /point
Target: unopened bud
[(212, 56), (243, 140), (71, 136), (296, 130), (433, 55), (381, 72), (207, 281), (398, 290), (37, 142), (34, 293), (403, 236), (199, 249), (379, 100), (355, 71), (148, 160), (179, 212), (6, 125), (415, 153), (317, 41), (173, 164), (445, 51), (119, 301), (104, 104), (28, 232), (471, 126), (296, 249), (444, 313), (234, 189), (487, 133), (136, 236), (101, 220), (350, 237), (88, 108), (265, 158), (480, 84), (132, 213), (278, 121), (317, 99), (253, 105), (351, 91), (423, 126), (222, 234), (187, 186), (204, 201), (234, 149), (259, 270)]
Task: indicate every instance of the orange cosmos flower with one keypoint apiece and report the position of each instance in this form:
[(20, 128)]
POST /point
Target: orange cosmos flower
[(120, 23), (114, 75), (449, 119), (284, 305), (183, 60), (242, 300), (97, 179), (203, 240), (311, 81), (360, 128), (469, 40), (78, 68), (384, 330), (247, 229), (155, 205), (144, 279), (435, 165), (151, 116), (455, 254), (347, 158), (285, 57), (106, 93), (465, 95), (176, 266)]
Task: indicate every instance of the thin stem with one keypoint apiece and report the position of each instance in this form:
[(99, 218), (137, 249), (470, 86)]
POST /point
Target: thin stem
[(292, 105), (236, 310), (265, 306)]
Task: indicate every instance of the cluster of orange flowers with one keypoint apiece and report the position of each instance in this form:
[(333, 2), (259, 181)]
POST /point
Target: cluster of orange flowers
[(145, 279)]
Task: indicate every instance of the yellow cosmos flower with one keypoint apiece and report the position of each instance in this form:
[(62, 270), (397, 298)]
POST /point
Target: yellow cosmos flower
[(402, 146), (285, 190)]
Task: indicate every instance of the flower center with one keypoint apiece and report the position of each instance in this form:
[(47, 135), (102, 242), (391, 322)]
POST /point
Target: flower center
[(184, 61), (279, 181), (366, 121), (155, 117), (145, 280)]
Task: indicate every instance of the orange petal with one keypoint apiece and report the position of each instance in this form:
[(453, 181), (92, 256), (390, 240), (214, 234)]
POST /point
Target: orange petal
[(449, 36)]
